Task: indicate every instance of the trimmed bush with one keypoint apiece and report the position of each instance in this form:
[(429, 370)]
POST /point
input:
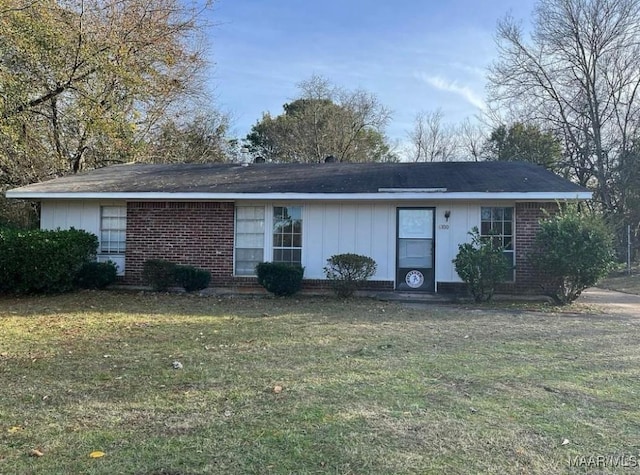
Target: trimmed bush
[(96, 275), (348, 271), (572, 251), (159, 274), (191, 278), (481, 265), (279, 278), (40, 261)]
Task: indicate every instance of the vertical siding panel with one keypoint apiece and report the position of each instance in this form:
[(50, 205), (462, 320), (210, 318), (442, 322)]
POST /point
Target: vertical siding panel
[(47, 212), (348, 225), (364, 231), (313, 241)]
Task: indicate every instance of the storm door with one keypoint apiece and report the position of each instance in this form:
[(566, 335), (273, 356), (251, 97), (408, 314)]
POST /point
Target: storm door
[(415, 250)]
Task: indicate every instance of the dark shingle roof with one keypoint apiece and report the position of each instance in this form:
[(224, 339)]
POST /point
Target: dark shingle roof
[(311, 178)]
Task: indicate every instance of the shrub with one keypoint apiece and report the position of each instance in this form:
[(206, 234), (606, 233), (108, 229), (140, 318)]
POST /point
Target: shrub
[(96, 275), (279, 278), (572, 251), (191, 278), (349, 271), (481, 265), (43, 261), (159, 274)]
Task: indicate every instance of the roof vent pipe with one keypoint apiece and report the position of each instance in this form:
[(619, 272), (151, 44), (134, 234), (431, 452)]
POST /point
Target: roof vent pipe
[(330, 159), (259, 160)]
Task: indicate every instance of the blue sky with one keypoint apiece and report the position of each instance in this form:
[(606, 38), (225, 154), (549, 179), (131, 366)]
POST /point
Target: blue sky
[(414, 55)]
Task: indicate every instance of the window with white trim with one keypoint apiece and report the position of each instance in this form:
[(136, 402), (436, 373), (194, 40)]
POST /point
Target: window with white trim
[(113, 229), (249, 239), (287, 234), (497, 223)]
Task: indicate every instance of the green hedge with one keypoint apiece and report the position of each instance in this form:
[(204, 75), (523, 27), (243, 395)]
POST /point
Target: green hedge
[(40, 261), (96, 275), (191, 278), (161, 275), (347, 272), (279, 278)]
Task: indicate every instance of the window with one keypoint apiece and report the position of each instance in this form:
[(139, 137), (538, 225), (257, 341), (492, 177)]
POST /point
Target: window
[(113, 229), (497, 223), (287, 234), (249, 239)]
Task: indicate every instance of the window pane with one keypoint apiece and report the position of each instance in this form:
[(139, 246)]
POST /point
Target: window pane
[(508, 229), (279, 212), (249, 254), (508, 243), (295, 212), (485, 229), (249, 240), (287, 234), (250, 226), (486, 214), (508, 214), (510, 276), (415, 223), (497, 214), (415, 253), (113, 226)]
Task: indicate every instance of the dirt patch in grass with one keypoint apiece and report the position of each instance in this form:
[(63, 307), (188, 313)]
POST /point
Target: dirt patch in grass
[(311, 385)]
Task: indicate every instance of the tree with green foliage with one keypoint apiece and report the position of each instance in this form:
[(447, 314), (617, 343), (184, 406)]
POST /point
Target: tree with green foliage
[(83, 82), (524, 143), (482, 265), (573, 250), (200, 139), (324, 121)]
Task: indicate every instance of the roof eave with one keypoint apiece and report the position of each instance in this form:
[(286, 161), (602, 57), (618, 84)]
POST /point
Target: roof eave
[(381, 196)]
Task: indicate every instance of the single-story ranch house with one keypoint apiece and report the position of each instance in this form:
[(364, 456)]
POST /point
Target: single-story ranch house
[(409, 217)]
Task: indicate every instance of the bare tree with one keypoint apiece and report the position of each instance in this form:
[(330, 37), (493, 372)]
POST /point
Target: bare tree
[(431, 140), (82, 82), (579, 76), (471, 140)]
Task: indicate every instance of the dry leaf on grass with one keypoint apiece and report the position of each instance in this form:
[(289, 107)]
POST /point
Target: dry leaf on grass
[(35, 453), (96, 454)]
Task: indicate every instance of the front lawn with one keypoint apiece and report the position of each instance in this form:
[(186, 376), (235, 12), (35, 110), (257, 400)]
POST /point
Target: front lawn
[(311, 386)]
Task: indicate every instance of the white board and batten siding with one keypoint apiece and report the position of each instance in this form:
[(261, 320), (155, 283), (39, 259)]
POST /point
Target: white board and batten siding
[(79, 214), (329, 228), (366, 229), (370, 229)]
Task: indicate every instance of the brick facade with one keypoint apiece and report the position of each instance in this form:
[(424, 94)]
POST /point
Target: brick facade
[(202, 234), (528, 216), (194, 233)]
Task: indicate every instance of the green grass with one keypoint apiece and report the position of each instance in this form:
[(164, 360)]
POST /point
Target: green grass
[(367, 387)]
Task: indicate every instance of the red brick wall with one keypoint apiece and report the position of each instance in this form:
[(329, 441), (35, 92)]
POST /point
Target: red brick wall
[(528, 216), (198, 234)]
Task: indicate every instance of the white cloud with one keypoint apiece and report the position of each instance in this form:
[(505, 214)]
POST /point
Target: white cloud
[(453, 87)]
